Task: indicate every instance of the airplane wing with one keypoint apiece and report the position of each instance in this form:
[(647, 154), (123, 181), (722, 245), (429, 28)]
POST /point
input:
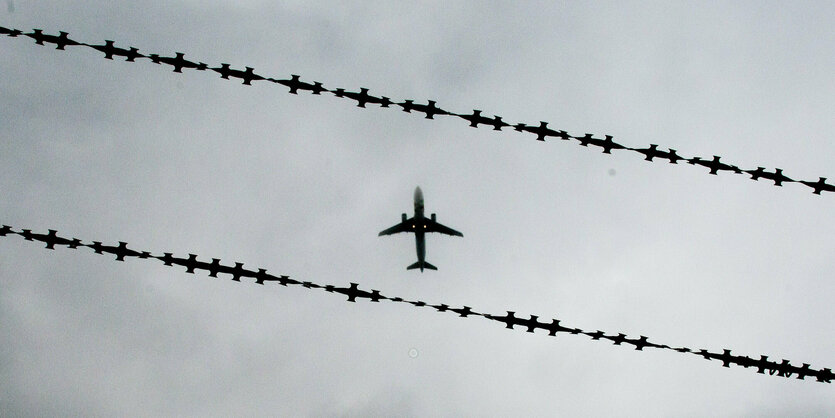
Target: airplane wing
[(437, 227), (401, 227)]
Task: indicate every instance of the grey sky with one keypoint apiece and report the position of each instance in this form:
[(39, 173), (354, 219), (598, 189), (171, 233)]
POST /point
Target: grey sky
[(190, 163)]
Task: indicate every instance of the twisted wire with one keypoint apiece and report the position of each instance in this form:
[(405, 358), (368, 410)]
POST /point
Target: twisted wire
[(354, 293), (429, 110)]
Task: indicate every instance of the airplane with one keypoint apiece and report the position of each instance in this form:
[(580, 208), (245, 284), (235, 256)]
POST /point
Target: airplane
[(420, 225)]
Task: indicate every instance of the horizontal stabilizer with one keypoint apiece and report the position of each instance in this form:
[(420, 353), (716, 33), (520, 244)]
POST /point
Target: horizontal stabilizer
[(421, 266)]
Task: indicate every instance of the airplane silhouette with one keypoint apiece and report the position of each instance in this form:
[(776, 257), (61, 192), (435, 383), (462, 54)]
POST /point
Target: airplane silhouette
[(247, 76), (363, 97), (10, 32), (714, 165), (294, 84), (5, 230), (653, 152), (429, 109), (178, 62), (819, 185), (61, 40), (420, 225), (110, 50), (541, 131), (607, 144), (777, 176), (475, 119)]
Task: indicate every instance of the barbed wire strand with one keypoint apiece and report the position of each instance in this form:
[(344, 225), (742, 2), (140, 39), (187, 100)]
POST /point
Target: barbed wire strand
[(353, 293), (430, 110)]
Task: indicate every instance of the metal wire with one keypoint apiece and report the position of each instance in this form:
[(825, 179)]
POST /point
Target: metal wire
[(429, 110), (353, 293)]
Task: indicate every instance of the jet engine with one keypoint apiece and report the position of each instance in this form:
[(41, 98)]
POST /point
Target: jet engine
[(403, 217), (433, 217)]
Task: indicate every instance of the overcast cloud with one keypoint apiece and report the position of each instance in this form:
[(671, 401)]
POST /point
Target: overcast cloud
[(190, 163)]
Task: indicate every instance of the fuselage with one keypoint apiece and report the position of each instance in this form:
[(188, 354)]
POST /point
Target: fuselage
[(420, 242), (420, 225)]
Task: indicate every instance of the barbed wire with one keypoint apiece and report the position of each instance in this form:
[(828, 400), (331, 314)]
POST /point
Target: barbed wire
[(430, 110), (353, 293)]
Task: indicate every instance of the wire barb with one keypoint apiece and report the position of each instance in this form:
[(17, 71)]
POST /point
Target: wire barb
[(354, 293), (430, 110)]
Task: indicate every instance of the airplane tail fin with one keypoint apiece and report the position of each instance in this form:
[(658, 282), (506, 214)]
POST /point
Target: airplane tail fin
[(421, 266)]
